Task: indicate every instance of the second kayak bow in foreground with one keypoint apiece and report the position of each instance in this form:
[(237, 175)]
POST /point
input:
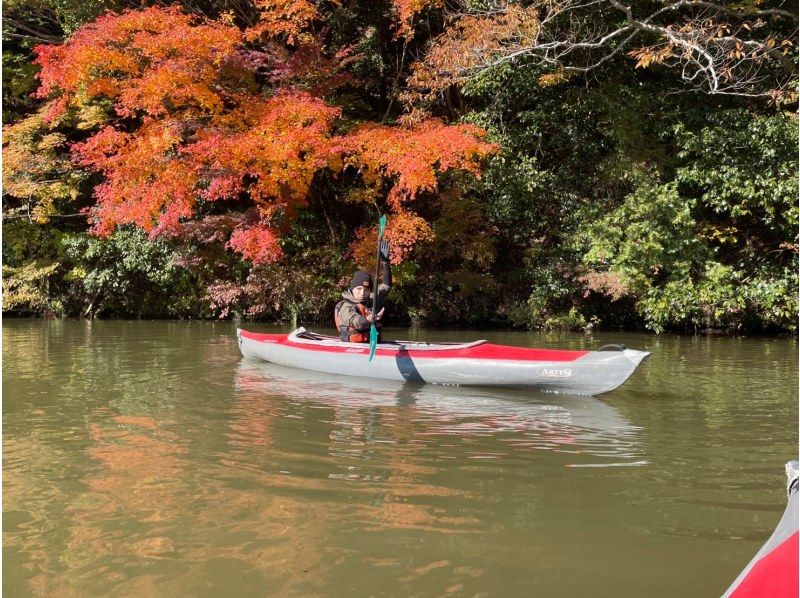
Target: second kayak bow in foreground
[(470, 364)]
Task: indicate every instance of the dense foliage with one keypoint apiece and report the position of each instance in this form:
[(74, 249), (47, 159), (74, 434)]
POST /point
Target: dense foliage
[(231, 158)]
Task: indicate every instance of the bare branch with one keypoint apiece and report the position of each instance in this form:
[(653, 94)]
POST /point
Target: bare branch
[(713, 47), (735, 13)]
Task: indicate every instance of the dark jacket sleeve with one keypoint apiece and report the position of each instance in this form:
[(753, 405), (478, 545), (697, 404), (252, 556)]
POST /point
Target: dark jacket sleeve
[(385, 286), (387, 274)]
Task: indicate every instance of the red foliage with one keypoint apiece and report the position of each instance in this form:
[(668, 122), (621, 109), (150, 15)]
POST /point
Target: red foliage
[(310, 67), (287, 19), (257, 243), (189, 128)]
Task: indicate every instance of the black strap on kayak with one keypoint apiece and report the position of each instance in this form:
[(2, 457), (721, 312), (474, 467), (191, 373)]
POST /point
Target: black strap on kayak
[(612, 348)]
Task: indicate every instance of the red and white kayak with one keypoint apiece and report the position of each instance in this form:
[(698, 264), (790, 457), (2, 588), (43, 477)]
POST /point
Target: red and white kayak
[(471, 364), (773, 572)]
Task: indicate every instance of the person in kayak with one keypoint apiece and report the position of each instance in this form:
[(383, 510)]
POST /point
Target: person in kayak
[(353, 314)]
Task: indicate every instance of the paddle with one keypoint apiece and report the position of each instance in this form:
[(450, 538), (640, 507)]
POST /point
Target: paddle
[(373, 331)]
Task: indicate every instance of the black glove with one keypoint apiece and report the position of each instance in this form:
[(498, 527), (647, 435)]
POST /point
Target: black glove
[(384, 251)]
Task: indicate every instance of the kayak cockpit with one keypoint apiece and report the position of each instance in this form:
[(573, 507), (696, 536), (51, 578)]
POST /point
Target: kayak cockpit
[(303, 336)]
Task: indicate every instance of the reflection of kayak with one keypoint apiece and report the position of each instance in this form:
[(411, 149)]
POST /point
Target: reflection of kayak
[(575, 424), (477, 363), (773, 571)]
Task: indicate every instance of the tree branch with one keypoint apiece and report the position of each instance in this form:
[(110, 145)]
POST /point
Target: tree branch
[(35, 35), (566, 35)]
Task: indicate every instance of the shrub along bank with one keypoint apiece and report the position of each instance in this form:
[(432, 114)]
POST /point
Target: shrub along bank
[(621, 199)]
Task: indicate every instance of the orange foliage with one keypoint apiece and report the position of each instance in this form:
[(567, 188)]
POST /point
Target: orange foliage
[(145, 184), (649, 55), (151, 61), (403, 231), (279, 144), (408, 9), (189, 131), (411, 156), (283, 18), (472, 42), (270, 149)]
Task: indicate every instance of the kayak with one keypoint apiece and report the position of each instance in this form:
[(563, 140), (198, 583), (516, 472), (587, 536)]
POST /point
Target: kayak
[(478, 363), (773, 571)]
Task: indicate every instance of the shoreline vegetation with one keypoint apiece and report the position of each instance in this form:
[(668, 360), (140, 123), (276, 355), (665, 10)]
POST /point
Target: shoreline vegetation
[(229, 159)]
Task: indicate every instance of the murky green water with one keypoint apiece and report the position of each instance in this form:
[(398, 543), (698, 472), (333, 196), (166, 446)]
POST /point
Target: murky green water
[(149, 459)]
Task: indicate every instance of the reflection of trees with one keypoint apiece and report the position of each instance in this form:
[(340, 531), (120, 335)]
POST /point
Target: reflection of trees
[(260, 509), (134, 497), (407, 502), (31, 506), (369, 478), (400, 471), (521, 419), (399, 496), (141, 471), (389, 437), (719, 383), (116, 514), (277, 486), (251, 423), (141, 467)]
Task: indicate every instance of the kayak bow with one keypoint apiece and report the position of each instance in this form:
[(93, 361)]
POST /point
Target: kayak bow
[(773, 571), (477, 363)]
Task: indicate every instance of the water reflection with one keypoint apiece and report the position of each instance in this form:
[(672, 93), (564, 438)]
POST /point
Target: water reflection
[(520, 418), (147, 459)]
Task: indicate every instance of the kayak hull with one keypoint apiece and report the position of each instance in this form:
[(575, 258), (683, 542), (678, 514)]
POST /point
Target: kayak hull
[(472, 364), (773, 571)]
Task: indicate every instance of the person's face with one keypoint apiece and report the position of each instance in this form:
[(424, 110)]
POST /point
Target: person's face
[(360, 293)]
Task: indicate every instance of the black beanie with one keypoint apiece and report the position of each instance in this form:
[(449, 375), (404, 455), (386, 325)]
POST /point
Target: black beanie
[(360, 279)]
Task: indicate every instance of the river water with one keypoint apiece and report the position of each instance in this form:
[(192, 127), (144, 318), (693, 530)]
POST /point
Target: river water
[(150, 459)]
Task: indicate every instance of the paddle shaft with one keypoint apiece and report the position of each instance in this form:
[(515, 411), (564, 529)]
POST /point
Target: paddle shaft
[(377, 284), (373, 330)]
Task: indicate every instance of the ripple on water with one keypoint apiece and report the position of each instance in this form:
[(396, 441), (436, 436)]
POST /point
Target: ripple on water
[(516, 418), (147, 458)]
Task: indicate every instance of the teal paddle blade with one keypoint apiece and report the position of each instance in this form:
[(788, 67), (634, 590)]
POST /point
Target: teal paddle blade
[(373, 341), (381, 226)]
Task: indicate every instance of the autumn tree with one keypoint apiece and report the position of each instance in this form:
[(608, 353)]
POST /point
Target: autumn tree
[(186, 124), (255, 143)]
